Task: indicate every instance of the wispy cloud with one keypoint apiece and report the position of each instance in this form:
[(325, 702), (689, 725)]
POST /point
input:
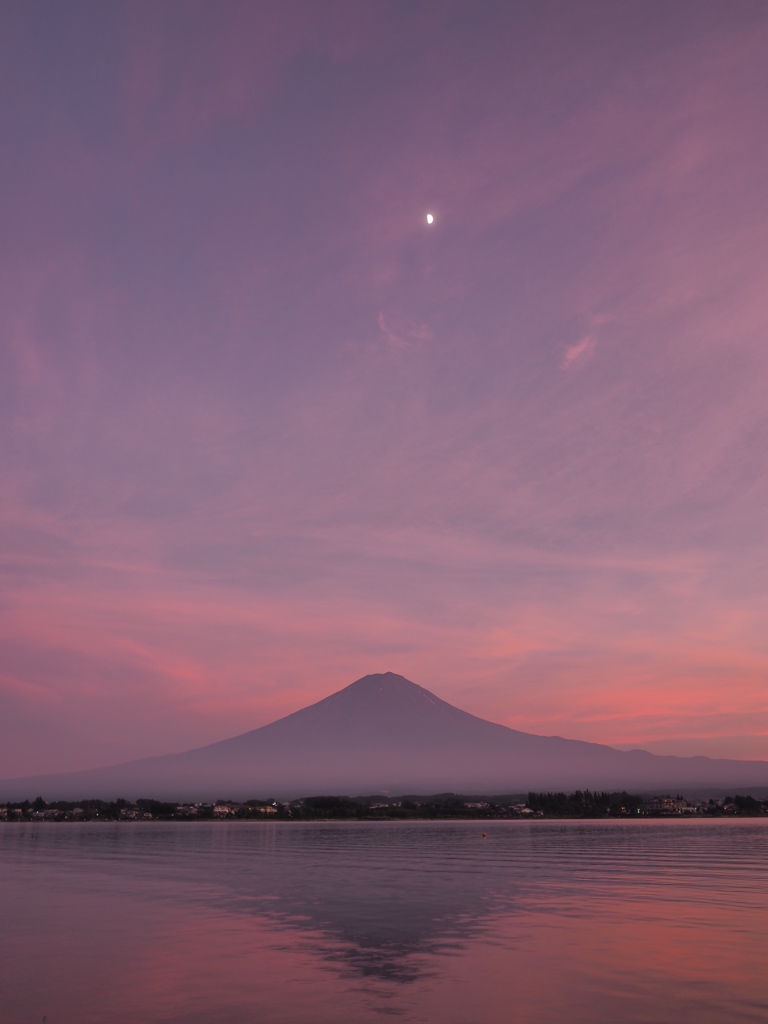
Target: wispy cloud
[(580, 351), (401, 332)]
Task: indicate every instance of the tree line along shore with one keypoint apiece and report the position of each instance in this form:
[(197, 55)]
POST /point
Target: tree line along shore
[(449, 806)]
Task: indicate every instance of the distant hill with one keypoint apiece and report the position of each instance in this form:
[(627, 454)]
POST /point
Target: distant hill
[(385, 734)]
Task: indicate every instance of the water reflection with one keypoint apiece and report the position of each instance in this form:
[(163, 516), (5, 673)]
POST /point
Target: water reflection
[(424, 921), (384, 891)]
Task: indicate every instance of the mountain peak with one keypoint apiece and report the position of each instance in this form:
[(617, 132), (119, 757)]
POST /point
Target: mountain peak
[(381, 681), (383, 678), (381, 693)]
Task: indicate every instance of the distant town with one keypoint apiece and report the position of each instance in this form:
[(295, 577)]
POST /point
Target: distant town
[(580, 804)]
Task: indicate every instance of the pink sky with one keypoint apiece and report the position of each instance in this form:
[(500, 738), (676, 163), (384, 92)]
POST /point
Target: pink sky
[(263, 430)]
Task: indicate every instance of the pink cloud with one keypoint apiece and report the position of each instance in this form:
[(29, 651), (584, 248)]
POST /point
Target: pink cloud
[(580, 350), (402, 332)]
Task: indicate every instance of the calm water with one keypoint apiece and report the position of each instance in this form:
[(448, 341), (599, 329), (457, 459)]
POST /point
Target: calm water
[(262, 922)]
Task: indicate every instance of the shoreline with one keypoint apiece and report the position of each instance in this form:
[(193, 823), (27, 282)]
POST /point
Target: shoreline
[(578, 806)]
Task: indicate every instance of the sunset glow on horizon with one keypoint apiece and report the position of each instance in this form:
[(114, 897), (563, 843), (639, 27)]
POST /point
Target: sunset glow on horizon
[(338, 339)]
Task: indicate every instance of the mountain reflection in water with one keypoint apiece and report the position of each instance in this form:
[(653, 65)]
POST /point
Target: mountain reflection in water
[(322, 921)]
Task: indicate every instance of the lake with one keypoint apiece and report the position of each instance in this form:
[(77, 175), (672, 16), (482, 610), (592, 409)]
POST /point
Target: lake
[(228, 923)]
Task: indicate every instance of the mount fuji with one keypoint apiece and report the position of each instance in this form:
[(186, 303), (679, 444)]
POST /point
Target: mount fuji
[(385, 734)]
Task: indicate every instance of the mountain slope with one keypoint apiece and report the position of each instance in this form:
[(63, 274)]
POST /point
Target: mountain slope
[(386, 734)]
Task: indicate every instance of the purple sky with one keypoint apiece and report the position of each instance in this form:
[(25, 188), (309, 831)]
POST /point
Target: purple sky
[(263, 430)]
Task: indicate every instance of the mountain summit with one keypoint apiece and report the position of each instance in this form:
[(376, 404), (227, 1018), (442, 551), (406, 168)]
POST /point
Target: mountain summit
[(382, 734)]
